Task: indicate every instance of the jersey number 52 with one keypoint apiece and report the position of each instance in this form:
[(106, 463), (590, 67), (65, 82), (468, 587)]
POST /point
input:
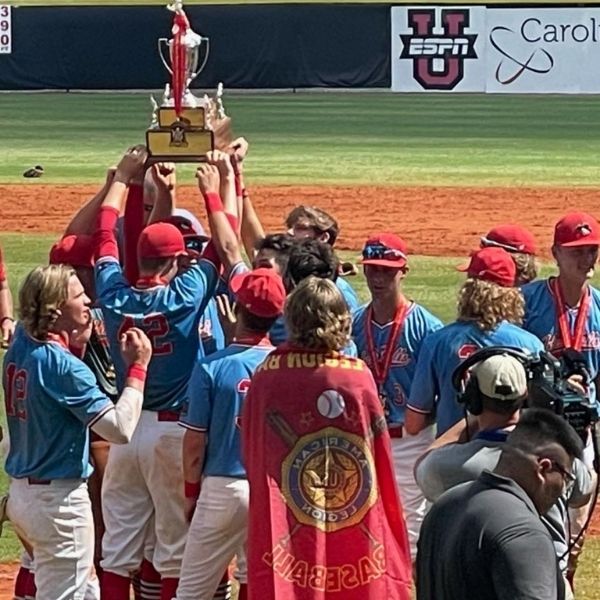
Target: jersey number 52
[(156, 327)]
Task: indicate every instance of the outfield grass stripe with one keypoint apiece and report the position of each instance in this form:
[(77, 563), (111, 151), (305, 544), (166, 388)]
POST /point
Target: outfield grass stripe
[(309, 138)]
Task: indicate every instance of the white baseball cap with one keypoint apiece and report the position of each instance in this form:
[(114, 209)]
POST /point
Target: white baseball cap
[(501, 377)]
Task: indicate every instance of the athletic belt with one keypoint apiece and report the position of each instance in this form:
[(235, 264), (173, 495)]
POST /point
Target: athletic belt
[(397, 431), (167, 415), (35, 481)]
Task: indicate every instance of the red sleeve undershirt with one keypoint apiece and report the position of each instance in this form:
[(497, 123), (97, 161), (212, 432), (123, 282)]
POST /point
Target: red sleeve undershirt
[(133, 224), (105, 241)]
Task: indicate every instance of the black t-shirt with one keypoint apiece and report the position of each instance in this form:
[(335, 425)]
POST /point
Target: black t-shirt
[(485, 541)]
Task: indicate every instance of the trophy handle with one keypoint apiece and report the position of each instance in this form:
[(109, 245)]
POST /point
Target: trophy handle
[(198, 70), (161, 42)]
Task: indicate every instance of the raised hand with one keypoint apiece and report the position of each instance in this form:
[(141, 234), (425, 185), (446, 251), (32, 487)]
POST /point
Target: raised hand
[(238, 150), (222, 161), (136, 347), (209, 179), (164, 175), (131, 166)]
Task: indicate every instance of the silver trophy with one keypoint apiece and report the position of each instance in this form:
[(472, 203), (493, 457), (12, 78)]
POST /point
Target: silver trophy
[(197, 49)]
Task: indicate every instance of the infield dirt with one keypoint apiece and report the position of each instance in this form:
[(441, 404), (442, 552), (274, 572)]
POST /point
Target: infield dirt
[(436, 221)]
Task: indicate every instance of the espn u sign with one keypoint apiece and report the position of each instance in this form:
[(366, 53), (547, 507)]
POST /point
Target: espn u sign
[(479, 49)]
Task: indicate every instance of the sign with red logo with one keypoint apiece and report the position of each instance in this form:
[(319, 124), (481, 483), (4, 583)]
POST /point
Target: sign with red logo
[(438, 48)]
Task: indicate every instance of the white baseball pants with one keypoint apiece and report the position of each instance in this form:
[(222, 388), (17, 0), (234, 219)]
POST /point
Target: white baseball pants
[(217, 533), (405, 452), (144, 480), (56, 519)]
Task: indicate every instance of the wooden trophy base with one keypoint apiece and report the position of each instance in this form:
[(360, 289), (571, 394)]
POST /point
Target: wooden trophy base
[(187, 138)]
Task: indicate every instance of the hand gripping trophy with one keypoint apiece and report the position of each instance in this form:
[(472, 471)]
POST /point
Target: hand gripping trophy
[(184, 128)]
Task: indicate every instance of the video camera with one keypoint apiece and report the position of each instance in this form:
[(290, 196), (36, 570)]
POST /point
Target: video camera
[(548, 386)]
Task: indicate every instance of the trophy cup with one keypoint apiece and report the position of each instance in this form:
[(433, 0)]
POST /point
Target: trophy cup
[(184, 128)]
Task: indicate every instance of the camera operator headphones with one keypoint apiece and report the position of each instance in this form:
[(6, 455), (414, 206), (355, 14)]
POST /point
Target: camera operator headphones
[(468, 391)]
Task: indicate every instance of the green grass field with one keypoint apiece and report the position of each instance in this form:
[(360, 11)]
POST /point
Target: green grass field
[(383, 138), (301, 138)]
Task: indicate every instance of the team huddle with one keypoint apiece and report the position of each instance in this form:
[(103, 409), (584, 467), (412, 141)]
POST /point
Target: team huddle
[(187, 406)]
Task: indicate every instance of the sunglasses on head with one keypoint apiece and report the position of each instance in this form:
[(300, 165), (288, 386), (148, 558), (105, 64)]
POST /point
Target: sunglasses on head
[(379, 252), (194, 244)]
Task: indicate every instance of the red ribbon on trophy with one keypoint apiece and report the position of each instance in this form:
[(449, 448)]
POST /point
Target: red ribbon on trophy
[(179, 59)]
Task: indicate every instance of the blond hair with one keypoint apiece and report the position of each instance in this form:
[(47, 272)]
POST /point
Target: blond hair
[(42, 294), (317, 316), (527, 268), (487, 304)]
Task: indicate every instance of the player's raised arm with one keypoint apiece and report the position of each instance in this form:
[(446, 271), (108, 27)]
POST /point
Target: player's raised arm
[(223, 234), (162, 179), (130, 168), (84, 220), (251, 229)]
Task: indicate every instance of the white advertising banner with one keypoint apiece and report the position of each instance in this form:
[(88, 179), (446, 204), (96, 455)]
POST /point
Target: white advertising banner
[(438, 48), (543, 50), (506, 50)]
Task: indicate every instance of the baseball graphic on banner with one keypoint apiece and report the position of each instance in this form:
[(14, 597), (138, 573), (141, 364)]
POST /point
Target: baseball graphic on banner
[(330, 404)]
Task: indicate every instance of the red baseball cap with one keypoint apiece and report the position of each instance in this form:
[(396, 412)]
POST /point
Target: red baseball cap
[(74, 250), (260, 291), (492, 264), (513, 238), (160, 240), (385, 250), (577, 229)]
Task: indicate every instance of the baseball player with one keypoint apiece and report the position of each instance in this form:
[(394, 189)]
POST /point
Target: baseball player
[(159, 197), (216, 486), (312, 222), (144, 480), (77, 251), (52, 400), (325, 519), (564, 312), (389, 332), (490, 310), (520, 244)]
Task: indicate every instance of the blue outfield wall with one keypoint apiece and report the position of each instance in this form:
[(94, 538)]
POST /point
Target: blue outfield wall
[(252, 46)]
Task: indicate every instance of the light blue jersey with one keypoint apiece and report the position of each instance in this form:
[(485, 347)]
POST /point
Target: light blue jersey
[(216, 394), (541, 320), (51, 401), (349, 294), (443, 351), (396, 388), (169, 314)]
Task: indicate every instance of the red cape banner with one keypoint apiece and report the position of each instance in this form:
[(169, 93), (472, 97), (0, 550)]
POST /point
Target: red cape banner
[(325, 516)]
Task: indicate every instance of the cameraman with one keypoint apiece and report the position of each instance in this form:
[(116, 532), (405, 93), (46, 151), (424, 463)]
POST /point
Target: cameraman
[(495, 399)]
